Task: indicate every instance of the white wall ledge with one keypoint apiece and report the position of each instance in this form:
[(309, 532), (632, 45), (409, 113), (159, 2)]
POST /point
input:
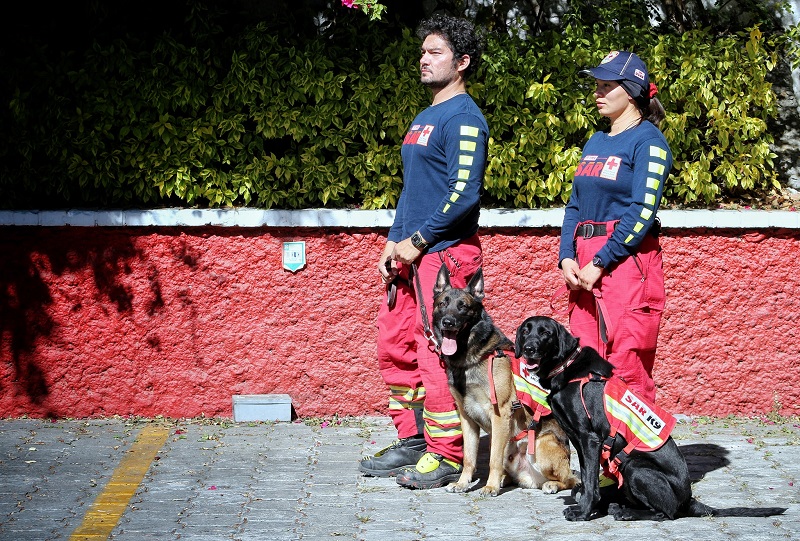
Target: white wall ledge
[(249, 217)]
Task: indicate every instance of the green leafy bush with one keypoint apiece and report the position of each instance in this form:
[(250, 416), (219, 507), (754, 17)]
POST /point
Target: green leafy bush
[(715, 91), (262, 119)]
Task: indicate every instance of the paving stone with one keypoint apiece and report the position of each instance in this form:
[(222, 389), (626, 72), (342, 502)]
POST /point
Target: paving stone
[(214, 479)]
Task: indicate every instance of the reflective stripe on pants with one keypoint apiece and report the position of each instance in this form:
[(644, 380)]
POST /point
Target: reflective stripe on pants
[(406, 359)]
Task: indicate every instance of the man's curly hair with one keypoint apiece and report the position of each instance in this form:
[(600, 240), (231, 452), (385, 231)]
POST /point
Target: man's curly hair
[(459, 34)]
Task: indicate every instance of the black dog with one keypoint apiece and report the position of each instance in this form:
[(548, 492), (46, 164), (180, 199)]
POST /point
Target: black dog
[(656, 482)]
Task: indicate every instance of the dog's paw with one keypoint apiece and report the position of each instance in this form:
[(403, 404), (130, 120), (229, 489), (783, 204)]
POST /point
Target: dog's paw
[(620, 512), (551, 487), (457, 487), (575, 513), (489, 490)]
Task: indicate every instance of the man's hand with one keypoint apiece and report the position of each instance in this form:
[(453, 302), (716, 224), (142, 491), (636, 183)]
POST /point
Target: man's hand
[(405, 252), (385, 267)]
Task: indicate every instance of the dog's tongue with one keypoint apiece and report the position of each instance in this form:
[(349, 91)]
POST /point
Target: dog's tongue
[(449, 345)]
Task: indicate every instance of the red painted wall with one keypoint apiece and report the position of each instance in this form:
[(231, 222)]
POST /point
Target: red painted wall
[(174, 321)]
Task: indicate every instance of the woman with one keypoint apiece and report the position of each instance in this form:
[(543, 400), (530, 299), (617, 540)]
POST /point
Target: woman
[(610, 255)]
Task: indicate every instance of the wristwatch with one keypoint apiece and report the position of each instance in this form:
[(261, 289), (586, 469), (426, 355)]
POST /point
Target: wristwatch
[(418, 242), (597, 262)]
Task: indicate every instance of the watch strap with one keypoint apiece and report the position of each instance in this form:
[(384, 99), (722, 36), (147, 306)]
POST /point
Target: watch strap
[(418, 242)]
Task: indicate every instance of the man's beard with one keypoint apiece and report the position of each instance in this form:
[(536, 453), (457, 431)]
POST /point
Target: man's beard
[(433, 84)]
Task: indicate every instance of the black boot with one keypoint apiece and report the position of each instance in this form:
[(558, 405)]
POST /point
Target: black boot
[(432, 471), (390, 460)]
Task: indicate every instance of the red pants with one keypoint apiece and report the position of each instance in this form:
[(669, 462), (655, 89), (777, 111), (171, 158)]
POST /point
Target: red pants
[(420, 399), (631, 298)]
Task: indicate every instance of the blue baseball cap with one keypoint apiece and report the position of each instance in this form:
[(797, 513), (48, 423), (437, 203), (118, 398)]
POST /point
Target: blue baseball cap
[(625, 67)]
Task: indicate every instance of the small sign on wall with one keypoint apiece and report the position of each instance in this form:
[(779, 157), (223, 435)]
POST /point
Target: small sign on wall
[(294, 255)]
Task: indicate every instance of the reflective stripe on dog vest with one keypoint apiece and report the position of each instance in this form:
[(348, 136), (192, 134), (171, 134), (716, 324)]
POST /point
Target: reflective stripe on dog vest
[(529, 393), (635, 418), (644, 425)]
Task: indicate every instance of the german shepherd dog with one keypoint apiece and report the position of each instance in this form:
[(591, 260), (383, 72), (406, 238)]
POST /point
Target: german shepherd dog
[(468, 339), (656, 482)]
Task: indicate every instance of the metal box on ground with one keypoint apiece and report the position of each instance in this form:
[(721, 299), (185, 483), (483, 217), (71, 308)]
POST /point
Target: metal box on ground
[(262, 407)]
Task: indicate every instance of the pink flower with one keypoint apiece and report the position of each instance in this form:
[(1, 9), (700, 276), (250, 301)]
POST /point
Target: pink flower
[(349, 4)]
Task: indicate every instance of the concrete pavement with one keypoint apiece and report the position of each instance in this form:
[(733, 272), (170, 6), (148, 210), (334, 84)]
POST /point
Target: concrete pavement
[(212, 479)]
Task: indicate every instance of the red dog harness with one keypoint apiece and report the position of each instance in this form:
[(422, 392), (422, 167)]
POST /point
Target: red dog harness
[(644, 425), (529, 394)]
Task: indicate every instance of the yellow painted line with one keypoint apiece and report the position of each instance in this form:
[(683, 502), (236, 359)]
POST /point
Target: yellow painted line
[(108, 507)]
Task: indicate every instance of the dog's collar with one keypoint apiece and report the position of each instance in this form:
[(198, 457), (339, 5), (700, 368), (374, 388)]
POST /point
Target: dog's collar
[(563, 366)]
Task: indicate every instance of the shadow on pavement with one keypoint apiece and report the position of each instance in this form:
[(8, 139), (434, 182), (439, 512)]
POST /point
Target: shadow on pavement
[(703, 458)]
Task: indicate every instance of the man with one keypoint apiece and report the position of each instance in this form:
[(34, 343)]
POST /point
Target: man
[(444, 160)]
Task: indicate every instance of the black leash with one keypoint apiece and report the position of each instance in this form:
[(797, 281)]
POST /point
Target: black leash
[(421, 300)]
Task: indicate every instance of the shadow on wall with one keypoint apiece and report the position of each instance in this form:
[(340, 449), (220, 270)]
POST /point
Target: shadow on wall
[(25, 300)]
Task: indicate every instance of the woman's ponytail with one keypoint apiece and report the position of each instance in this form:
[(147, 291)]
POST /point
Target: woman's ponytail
[(650, 106)]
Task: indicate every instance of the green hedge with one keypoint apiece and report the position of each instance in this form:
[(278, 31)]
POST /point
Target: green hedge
[(261, 120), (715, 91)]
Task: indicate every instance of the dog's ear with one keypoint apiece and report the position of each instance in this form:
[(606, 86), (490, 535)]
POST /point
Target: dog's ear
[(475, 285), (566, 342), (442, 280), (521, 331)]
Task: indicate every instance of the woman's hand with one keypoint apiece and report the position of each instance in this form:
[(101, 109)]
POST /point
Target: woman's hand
[(571, 272), (589, 275), (580, 278)]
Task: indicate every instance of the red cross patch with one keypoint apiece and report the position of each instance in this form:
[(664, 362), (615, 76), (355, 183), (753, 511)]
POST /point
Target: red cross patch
[(611, 168), (426, 133)]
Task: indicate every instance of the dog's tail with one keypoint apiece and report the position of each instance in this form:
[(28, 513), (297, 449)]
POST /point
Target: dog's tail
[(699, 509)]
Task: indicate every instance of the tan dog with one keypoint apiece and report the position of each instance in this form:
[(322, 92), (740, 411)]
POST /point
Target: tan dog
[(468, 340)]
